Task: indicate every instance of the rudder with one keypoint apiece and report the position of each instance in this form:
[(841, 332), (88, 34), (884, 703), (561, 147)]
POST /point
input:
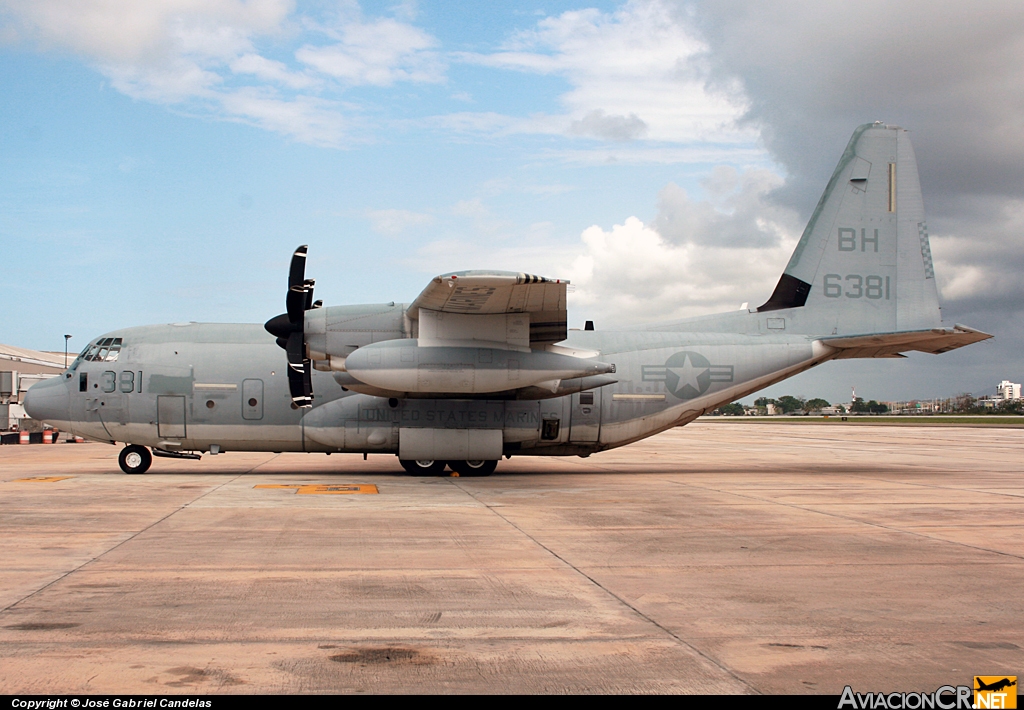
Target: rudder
[(863, 264)]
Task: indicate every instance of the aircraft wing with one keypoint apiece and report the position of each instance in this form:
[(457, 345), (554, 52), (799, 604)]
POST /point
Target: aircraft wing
[(933, 340), (533, 300)]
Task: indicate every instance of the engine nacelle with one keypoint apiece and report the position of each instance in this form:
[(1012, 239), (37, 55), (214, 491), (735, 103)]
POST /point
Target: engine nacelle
[(405, 366)]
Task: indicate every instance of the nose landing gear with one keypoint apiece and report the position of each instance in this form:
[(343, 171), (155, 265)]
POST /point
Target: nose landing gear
[(135, 459)]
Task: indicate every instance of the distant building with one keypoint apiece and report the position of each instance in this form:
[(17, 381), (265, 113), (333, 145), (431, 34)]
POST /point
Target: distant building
[(1007, 390), (20, 369)]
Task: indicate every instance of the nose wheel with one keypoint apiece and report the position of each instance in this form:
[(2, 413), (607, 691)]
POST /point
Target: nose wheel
[(135, 459)]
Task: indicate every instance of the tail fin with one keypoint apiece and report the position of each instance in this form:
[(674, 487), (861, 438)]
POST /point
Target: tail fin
[(863, 264)]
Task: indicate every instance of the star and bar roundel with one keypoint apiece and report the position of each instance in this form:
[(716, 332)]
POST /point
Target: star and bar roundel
[(687, 374)]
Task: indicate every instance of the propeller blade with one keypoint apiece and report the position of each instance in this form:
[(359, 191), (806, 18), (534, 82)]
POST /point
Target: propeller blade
[(300, 377), (296, 299), (296, 274), (295, 302), (297, 386), (309, 283), (307, 384)]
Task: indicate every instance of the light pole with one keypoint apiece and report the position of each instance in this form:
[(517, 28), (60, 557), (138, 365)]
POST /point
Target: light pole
[(66, 339)]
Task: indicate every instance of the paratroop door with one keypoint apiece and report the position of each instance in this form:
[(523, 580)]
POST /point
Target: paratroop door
[(585, 419), (170, 417)]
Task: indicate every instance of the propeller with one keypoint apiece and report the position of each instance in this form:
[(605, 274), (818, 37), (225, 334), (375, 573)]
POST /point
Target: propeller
[(289, 330)]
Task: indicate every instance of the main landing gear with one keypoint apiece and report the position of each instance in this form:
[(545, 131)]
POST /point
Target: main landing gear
[(473, 468), (135, 459), (422, 468), (436, 468)]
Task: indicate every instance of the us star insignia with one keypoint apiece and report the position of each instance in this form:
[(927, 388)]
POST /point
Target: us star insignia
[(687, 374)]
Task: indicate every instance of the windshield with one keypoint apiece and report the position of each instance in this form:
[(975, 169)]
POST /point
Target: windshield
[(103, 350)]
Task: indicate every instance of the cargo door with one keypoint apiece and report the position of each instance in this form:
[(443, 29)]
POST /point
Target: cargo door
[(585, 419)]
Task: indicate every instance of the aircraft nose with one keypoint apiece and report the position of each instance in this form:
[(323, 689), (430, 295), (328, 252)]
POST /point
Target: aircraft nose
[(48, 401)]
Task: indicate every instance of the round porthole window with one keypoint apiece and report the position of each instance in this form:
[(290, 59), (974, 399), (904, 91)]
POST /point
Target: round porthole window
[(210, 404), (252, 402)]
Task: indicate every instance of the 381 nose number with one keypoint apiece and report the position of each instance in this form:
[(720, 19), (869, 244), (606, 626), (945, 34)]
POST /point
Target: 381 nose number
[(857, 286)]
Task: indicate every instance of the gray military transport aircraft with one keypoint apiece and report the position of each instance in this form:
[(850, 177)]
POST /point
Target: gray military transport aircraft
[(482, 365)]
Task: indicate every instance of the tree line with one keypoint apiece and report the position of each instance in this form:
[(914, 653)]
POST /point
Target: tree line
[(788, 404), (960, 404)]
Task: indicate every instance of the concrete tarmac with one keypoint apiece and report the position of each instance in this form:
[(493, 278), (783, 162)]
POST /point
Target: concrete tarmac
[(709, 559)]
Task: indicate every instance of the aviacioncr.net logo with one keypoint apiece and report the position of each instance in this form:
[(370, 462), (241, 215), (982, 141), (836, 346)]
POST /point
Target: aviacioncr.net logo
[(995, 692), (946, 697)]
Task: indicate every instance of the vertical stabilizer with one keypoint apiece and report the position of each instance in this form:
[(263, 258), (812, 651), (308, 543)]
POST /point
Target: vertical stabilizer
[(864, 264)]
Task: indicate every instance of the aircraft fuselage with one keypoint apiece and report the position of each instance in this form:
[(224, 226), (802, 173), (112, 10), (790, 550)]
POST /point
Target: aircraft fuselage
[(193, 387)]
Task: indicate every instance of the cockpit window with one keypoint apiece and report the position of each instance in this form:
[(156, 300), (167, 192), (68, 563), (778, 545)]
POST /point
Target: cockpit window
[(78, 360), (103, 350)]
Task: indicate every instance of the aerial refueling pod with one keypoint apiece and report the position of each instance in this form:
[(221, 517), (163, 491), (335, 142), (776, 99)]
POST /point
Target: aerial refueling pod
[(405, 366)]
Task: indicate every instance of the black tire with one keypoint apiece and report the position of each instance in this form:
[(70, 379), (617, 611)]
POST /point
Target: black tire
[(422, 468), (135, 459), (473, 468)]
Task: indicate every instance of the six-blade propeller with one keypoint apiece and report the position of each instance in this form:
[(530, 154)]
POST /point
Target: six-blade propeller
[(289, 330)]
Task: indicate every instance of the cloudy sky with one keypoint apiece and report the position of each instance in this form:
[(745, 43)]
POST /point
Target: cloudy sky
[(159, 160)]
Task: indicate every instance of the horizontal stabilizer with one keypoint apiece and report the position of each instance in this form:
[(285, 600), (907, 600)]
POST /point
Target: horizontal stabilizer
[(933, 340)]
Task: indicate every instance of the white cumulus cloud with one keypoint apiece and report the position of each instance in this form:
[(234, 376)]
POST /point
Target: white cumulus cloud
[(377, 53), (232, 59), (632, 274), (697, 256), (634, 73)]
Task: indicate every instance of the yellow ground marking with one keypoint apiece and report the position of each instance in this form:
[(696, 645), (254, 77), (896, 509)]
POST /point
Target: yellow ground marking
[(43, 479), (334, 489)]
